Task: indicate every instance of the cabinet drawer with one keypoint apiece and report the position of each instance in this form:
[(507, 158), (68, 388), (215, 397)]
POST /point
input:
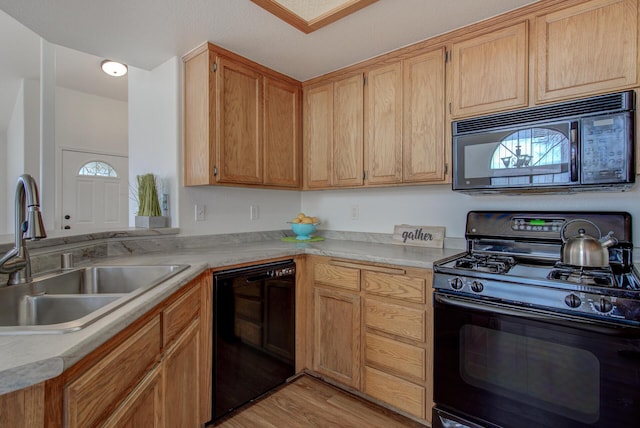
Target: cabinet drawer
[(337, 276), (401, 358), (395, 319), (395, 391), (180, 314), (397, 286), (91, 396)]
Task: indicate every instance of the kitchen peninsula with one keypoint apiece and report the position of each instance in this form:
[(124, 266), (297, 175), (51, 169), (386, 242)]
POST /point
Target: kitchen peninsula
[(28, 360)]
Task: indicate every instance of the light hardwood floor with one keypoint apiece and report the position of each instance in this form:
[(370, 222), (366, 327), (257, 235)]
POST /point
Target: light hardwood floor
[(309, 402)]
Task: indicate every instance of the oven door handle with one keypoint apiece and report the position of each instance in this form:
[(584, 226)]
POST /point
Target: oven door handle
[(567, 320)]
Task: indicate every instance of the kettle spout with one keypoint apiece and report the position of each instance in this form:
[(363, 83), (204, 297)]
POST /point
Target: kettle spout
[(608, 240)]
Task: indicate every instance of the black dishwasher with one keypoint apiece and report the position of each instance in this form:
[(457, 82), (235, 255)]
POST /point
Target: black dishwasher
[(254, 333)]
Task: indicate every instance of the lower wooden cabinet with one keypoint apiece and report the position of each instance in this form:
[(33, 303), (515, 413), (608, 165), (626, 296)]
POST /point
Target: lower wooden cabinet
[(398, 392), (143, 407), (155, 373), (372, 331), (181, 376), (337, 336), (93, 395)]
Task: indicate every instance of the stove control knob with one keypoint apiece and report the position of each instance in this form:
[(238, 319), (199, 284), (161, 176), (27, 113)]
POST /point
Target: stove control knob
[(572, 301), (477, 287), (456, 283), (603, 305)]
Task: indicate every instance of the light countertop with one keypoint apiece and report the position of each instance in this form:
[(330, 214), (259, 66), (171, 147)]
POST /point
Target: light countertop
[(27, 359)]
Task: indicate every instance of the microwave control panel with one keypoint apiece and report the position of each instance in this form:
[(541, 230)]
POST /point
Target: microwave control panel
[(605, 148)]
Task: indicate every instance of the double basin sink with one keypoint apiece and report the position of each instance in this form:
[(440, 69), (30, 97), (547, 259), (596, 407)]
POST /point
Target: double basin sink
[(70, 300)]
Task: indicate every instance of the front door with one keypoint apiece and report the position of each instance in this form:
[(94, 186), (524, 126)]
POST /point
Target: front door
[(94, 191)]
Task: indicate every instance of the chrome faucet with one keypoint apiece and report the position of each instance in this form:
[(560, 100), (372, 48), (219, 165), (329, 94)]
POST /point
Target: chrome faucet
[(16, 262)]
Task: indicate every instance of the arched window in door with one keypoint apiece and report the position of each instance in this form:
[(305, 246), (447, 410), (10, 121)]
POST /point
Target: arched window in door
[(98, 169)]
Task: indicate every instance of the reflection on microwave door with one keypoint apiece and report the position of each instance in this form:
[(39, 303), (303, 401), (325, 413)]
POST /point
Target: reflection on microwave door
[(585, 144)]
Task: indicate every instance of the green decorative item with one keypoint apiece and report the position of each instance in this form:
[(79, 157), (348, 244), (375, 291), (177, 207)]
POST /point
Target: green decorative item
[(149, 212)]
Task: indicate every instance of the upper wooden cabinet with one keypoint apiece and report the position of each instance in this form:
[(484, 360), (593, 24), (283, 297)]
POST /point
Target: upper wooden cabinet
[(240, 141), (383, 105), (586, 49), (424, 143), (404, 104), (333, 133), (282, 148), (318, 135), (490, 72), (348, 118), (242, 122), (387, 129)]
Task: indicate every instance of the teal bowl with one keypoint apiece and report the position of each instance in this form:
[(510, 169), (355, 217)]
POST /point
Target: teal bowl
[(303, 231)]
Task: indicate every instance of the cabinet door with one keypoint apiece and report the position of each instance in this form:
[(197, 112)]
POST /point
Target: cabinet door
[(199, 119), (24, 408), (91, 397), (588, 48), (383, 145), (143, 407), (281, 134), (240, 124), (336, 351), (423, 146), (348, 120), (181, 380), (490, 72), (318, 135)]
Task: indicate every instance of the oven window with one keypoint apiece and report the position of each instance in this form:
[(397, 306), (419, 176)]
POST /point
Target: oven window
[(551, 376)]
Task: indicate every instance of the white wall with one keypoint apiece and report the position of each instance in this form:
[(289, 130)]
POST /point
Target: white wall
[(228, 209), (4, 195), (15, 159), (154, 123), (22, 147), (89, 122), (380, 209)]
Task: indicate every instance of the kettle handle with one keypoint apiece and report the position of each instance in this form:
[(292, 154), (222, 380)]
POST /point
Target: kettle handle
[(564, 227)]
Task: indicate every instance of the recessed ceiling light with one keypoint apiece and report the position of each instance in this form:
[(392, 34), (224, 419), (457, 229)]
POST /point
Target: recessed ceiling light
[(113, 68), (309, 15)]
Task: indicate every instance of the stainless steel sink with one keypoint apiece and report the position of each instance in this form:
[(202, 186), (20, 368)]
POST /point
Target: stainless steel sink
[(70, 300), (108, 279)]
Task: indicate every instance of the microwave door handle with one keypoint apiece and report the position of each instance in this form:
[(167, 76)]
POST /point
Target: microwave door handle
[(573, 140)]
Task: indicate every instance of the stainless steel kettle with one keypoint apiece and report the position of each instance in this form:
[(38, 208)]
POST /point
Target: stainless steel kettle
[(584, 250)]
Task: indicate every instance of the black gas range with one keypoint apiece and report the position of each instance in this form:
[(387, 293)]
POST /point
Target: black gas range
[(515, 258), (523, 340)]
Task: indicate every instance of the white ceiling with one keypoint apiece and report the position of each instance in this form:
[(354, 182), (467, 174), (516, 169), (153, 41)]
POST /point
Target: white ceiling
[(146, 33), (20, 59)]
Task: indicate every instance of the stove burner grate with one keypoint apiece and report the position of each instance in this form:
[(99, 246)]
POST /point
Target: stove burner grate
[(602, 277), (485, 263)]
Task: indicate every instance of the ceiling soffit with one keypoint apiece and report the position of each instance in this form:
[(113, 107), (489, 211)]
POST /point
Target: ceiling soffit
[(308, 16)]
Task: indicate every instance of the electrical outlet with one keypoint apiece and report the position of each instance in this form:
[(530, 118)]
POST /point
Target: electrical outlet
[(254, 212), (201, 211), (355, 212)]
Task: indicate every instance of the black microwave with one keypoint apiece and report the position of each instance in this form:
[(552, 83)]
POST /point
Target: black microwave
[(583, 144)]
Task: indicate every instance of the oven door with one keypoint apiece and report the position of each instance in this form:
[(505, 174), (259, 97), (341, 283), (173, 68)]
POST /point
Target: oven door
[(495, 365)]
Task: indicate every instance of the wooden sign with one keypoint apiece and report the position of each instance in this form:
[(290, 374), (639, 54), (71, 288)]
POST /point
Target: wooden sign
[(419, 236)]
